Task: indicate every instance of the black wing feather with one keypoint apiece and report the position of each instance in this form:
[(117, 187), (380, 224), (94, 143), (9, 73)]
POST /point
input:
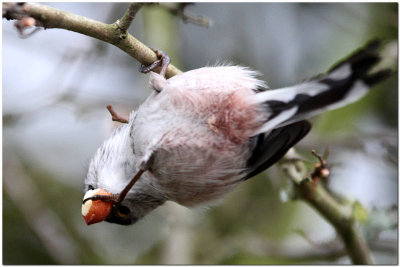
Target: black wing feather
[(268, 150)]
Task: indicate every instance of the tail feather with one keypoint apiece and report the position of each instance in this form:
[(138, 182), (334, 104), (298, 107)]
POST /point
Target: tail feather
[(345, 83)]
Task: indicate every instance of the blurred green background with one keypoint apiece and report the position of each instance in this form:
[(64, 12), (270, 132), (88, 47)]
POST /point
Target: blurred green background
[(56, 85)]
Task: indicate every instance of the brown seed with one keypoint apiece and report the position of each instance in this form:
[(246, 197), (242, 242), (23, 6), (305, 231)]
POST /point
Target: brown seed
[(98, 210)]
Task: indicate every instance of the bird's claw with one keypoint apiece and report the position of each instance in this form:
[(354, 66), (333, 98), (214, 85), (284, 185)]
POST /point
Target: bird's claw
[(163, 62)]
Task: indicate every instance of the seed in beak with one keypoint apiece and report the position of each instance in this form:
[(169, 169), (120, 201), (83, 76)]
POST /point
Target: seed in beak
[(97, 210)]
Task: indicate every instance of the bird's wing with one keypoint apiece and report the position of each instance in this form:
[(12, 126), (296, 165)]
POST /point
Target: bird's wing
[(270, 148)]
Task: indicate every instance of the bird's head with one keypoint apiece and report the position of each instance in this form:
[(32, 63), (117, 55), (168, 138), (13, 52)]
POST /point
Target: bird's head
[(111, 191), (99, 205), (110, 170)]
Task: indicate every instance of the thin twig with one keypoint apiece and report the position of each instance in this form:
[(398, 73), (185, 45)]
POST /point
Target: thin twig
[(115, 116), (320, 168), (128, 17), (189, 17), (49, 18), (179, 10), (340, 216)]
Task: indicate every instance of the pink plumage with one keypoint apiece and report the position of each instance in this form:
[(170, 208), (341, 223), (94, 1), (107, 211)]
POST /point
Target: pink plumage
[(202, 132), (220, 96)]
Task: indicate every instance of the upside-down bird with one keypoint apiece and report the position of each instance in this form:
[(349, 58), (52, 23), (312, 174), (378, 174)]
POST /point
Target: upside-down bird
[(203, 132)]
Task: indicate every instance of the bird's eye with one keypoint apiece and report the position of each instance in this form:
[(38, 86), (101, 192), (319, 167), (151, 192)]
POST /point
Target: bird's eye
[(90, 187), (122, 211)]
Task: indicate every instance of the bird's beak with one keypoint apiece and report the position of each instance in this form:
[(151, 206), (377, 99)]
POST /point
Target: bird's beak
[(97, 203), (94, 211)]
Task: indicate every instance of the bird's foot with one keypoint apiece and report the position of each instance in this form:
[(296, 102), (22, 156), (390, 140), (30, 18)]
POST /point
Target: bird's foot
[(163, 62)]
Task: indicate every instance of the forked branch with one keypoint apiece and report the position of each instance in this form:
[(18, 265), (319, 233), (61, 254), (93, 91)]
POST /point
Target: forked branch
[(50, 18), (339, 216), (128, 17)]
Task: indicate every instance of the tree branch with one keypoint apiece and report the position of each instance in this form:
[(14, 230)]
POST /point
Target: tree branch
[(128, 17), (313, 192), (49, 18), (339, 217)]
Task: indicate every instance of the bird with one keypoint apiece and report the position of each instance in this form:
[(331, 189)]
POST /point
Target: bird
[(205, 131)]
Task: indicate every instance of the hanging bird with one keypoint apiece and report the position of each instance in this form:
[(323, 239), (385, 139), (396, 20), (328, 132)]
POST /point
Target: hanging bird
[(203, 132)]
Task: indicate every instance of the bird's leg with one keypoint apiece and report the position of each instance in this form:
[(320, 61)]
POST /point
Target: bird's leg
[(117, 198), (163, 62)]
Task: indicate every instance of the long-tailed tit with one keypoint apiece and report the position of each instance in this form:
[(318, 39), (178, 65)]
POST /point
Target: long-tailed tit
[(201, 133)]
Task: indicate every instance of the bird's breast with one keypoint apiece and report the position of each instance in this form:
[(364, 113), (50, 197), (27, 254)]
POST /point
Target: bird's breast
[(202, 141)]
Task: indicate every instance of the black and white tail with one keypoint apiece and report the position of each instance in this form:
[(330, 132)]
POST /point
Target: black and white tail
[(287, 108), (345, 83)]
